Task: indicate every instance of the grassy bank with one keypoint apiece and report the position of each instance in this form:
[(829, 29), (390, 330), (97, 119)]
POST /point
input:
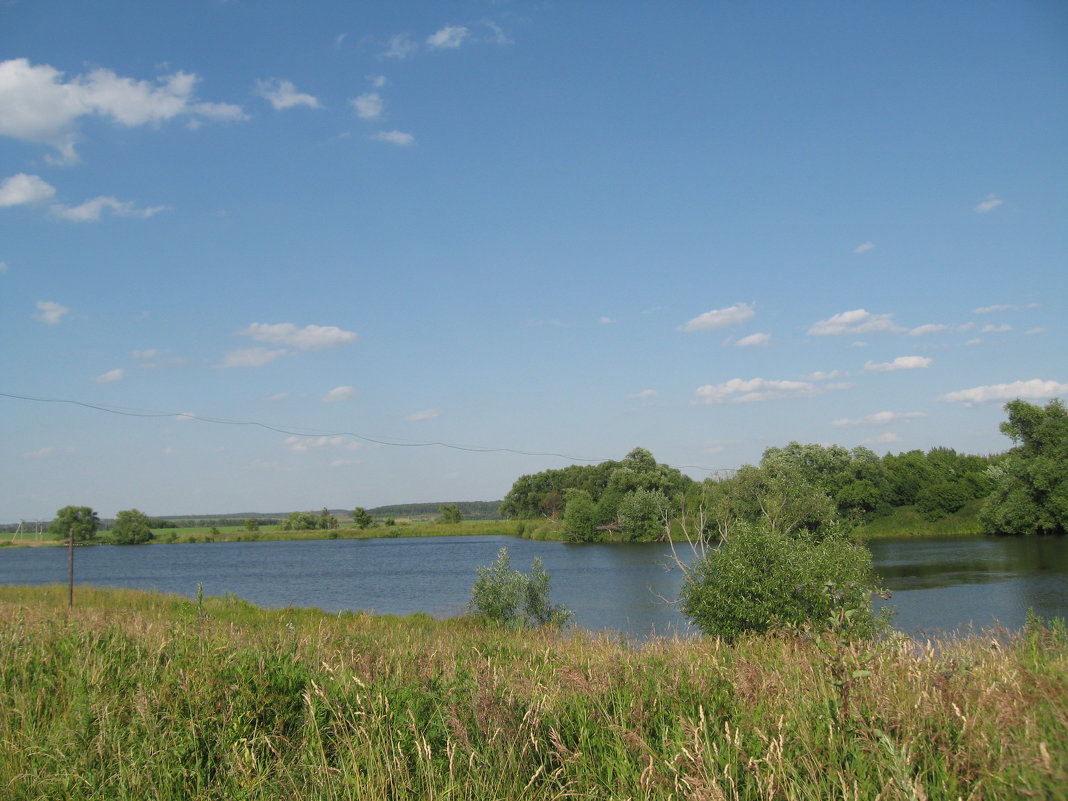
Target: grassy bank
[(906, 521), (136, 695)]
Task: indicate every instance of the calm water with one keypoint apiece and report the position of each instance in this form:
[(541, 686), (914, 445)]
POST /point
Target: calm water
[(938, 584)]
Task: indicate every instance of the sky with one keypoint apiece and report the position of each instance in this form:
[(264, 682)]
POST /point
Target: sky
[(272, 256)]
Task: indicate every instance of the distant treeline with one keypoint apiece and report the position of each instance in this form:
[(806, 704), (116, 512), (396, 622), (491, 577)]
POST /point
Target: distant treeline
[(471, 510)]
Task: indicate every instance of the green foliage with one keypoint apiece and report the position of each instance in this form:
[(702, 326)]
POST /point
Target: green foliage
[(390, 521), (361, 518), (301, 521), (514, 599), (935, 501), (1031, 484), (644, 515), (81, 522), (450, 513), (326, 520), (761, 579), (131, 528), (580, 517), (252, 525)]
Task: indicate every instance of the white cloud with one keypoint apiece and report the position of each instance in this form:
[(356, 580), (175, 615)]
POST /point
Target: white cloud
[(857, 321), (90, 210), (883, 439), (368, 105), (605, 320), (645, 393), (37, 105), (399, 138), (340, 462), (3, 266), (400, 46), (304, 444), (1034, 389), (449, 37), (877, 419), (900, 363), (824, 375), (739, 390), (377, 81), (754, 340), (989, 204), (148, 353), (110, 375), (283, 94), (22, 188), (1000, 307), (717, 318), (1029, 331), (426, 414), (185, 417), (864, 247), (50, 312), (929, 328), (975, 341), (41, 453), (339, 394), (251, 357), (310, 337), (996, 329)]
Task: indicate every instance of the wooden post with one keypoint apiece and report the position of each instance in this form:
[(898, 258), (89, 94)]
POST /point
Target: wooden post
[(70, 568)]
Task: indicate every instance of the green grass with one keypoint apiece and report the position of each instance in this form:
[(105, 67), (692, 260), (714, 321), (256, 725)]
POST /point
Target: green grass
[(137, 695), (906, 521)]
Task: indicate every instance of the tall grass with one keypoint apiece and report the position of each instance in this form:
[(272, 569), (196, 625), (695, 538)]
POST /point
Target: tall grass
[(136, 695)]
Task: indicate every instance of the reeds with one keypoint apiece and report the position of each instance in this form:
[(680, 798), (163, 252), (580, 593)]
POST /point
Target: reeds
[(137, 695)]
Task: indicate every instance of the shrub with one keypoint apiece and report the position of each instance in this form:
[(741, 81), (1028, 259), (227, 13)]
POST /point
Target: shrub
[(511, 598), (761, 580)]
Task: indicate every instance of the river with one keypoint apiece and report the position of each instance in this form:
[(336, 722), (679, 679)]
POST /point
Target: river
[(938, 584)]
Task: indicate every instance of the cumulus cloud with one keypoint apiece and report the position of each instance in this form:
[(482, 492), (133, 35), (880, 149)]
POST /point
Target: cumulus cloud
[(877, 419), (310, 337), (399, 138), (645, 393), (368, 106), (989, 328), (754, 340), (38, 105), (251, 357), (21, 189), (448, 38), (425, 414), (283, 94), (304, 444), (50, 312), (1034, 389), (824, 375), (400, 46), (929, 328), (739, 390), (110, 375), (90, 210), (900, 363), (988, 205), (338, 394), (718, 318), (857, 321), (864, 247)]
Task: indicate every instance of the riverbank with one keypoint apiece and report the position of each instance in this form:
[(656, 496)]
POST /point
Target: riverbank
[(135, 694)]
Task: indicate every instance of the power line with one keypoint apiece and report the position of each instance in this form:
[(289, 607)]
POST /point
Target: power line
[(393, 442)]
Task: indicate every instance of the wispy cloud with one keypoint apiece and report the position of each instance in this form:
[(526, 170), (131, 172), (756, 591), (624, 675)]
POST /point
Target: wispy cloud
[(754, 340), (605, 320), (304, 444), (739, 390), (988, 205), (929, 328), (399, 138), (448, 38), (824, 375), (41, 453), (91, 210), (1004, 307), (990, 328), (283, 94), (425, 414), (883, 439), (110, 376), (251, 357), (310, 337), (368, 106), (864, 247), (50, 312), (718, 318), (21, 189), (857, 321), (338, 394), (900, 363), (400, 46), (645, 393), (877, 419), (1033, 389)]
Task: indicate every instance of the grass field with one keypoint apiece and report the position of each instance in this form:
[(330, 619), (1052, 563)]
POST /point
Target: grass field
[(136, 695), (906, 521)]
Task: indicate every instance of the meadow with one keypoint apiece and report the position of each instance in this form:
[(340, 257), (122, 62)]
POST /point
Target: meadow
[(136, 695)]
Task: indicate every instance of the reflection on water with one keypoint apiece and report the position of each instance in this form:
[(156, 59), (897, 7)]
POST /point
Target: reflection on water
[(938, 584)]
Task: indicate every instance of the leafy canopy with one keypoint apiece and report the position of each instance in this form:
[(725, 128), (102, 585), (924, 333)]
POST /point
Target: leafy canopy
[(81, 522), (514, 599)]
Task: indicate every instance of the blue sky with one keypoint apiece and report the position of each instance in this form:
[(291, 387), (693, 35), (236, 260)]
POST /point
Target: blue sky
[(550, 227)]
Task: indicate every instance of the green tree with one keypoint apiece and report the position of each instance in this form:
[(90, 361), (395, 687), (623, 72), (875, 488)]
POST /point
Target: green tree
[(80, 521), (252, 525), (131, 528), (361, 518), (580, 517), (1030, 493), (450, 513), (300, 521), (644, 515), (511, 598), (761, 579), (326, 521)]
